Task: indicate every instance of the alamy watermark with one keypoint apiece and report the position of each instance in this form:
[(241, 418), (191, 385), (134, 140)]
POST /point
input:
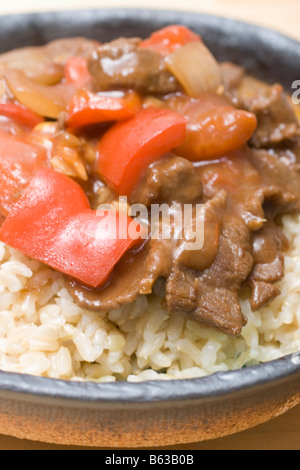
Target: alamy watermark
[(296, 94), (175, 222)]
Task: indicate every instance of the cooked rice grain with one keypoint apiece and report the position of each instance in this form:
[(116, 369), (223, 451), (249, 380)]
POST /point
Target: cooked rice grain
[(43, 332)]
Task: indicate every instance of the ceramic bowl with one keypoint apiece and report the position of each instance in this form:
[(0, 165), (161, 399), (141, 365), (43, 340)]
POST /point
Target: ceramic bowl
[(152, 413)]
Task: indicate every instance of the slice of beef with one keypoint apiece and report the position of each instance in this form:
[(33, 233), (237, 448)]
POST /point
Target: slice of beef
[(266, 202), (122, 64), (241, 243), (211, 296), (181, 286), (289, 154), (157, 264), (207, 219), (243, 184), (220, 309), (232, 75), (168, 180), (181, 291), (218, 287), (281, 184), (262, 294), (267, 251), (277, 121), (137, 272), (268, 245), (134, 275), (122, 288)]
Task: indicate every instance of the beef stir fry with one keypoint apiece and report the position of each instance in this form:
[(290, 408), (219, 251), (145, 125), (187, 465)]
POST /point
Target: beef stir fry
[(159, 121)]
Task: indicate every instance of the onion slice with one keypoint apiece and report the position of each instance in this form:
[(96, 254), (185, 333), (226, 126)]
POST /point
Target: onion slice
[(47, 101), (34, 62), (195, 68), (45, 64)]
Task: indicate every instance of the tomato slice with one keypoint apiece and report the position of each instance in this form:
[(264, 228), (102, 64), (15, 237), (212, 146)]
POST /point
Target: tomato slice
[(88, 108), (128, 148), (214, 128), (169, 39), (21, 115), (53, 223), (19, 161)]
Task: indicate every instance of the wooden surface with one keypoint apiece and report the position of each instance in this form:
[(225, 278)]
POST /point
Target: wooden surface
[(283, 433), (283, 15)]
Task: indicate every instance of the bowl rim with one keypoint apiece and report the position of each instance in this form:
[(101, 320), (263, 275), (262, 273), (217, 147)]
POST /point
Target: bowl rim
[(158, 391), (209, 388)]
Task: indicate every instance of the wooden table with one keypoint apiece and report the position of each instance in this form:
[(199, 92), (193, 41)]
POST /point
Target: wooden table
[(280, 434), (283, 433), (283, 15)]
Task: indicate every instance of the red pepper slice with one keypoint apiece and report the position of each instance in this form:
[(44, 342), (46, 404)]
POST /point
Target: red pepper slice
[(77, 72), (128, 148), (88, 108), (19, 161), (53, 223), (169, 39), (21, 115)]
